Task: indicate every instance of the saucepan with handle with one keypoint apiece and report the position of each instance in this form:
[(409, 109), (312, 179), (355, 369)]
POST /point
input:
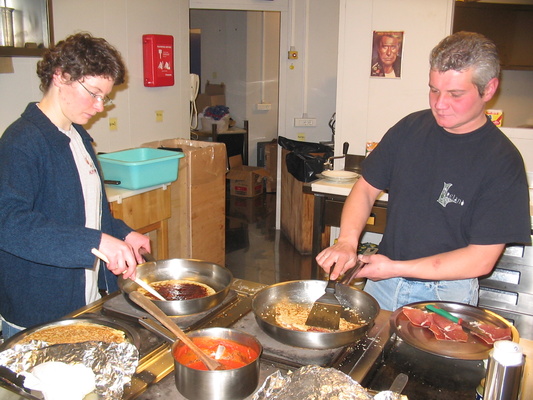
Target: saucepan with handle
[(210, 274)]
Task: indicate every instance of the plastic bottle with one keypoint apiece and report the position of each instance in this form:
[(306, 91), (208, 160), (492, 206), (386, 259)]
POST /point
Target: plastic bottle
[(504, 371)]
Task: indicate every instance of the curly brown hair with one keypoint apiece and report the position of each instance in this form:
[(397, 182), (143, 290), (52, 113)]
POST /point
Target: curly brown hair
[(81, 55)]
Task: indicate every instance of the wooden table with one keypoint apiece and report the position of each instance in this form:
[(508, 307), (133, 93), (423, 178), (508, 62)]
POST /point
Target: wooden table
[(144, 210)]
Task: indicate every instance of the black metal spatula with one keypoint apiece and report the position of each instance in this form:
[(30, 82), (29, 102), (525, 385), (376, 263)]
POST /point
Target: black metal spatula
[(326, 311)]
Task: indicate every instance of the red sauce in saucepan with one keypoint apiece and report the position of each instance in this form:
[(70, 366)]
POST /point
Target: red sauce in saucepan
[(235, 355)]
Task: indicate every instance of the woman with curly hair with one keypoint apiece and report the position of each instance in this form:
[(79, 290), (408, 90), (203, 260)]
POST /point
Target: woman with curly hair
[(53, 206)]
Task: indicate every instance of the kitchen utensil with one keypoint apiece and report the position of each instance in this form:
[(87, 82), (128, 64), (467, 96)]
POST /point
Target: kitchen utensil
[(349, 276), (213, 275), (423, 339), (469, 326), (326, 310), (365, 310), (138, 281), (233, 384), (399, 383), (156, 312)]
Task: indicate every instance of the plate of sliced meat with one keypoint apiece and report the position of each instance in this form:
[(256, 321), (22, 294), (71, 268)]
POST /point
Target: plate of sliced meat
[(435, 334)]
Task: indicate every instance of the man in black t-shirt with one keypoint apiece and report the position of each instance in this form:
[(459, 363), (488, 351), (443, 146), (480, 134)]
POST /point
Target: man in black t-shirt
[(458, 191)]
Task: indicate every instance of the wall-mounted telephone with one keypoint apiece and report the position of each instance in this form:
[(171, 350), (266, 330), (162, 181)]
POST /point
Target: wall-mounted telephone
[(195, 86)]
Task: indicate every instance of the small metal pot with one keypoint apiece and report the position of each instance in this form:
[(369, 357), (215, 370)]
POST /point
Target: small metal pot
[(307, 292), (218, 385), (213, 275)]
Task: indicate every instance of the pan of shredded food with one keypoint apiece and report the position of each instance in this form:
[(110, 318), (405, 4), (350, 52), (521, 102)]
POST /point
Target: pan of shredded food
[(281, 311)]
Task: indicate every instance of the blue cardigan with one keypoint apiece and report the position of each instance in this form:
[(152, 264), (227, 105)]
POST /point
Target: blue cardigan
[(44, 245)]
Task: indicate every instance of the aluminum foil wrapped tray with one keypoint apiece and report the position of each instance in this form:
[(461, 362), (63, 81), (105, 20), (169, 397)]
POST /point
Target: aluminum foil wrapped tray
[(316, 383), (113, 364)]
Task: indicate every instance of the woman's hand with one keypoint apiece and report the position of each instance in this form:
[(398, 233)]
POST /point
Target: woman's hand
[(123, 257), (138, 241)]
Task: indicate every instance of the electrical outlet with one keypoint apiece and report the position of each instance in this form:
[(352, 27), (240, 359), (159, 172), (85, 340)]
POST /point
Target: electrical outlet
[(305, 122), (159, 116), (301, 137), (264, 107), (113, 126)]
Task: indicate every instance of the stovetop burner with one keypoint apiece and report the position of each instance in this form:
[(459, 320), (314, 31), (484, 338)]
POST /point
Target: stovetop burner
[(121, 307)]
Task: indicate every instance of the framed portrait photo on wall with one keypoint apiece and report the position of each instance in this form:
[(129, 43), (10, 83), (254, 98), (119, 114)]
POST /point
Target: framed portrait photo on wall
[(387, 54)]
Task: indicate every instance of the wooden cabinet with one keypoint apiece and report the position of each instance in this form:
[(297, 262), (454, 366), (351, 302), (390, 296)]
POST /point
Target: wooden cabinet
[(147, 211), (198, 205), (297, 210), (508, 25)]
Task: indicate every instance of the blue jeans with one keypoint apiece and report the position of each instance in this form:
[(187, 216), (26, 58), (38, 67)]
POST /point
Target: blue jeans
[(394, 293), (9, 329)]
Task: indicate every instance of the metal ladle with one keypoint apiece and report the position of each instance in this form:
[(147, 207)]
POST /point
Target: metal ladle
[(151, 308)]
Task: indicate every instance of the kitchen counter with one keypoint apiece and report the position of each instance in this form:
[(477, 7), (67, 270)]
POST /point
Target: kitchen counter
[(155, 378), (117, 194), (341, 189)]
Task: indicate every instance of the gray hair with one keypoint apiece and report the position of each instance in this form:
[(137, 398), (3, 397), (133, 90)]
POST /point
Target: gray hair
[(464, 50)]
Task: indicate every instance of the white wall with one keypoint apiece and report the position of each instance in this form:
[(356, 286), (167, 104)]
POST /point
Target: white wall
[(122, 23), (367, 107), (305, 85), (241, 49), (312, 79)]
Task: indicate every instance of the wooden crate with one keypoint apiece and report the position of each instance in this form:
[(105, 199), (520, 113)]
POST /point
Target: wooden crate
[(296, 210), (198, 222)]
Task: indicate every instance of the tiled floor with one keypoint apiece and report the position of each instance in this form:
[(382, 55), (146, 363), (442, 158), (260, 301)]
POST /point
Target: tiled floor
[(255, 250)]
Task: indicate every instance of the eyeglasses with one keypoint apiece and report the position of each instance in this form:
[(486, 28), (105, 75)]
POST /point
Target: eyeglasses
[(105, 100)]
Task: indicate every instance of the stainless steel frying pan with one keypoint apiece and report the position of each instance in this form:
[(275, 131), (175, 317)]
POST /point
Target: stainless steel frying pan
[(213, 275), (306, 292)]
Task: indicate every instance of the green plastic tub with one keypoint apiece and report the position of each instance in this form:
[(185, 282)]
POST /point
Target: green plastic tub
[(140, 168)]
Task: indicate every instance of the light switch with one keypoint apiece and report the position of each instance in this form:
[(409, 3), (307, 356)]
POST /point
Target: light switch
[(113, 124)]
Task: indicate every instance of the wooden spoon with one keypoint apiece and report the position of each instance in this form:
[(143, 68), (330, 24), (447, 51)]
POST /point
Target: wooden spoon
[(175, 329)]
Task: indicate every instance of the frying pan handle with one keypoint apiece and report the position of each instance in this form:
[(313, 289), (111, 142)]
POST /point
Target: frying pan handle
[(147, 255), (348, 277)]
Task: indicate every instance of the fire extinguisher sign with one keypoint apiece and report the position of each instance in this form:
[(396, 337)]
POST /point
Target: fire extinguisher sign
[(158, 54)]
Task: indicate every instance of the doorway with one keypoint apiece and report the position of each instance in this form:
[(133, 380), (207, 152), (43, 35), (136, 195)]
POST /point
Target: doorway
[(241, 49)]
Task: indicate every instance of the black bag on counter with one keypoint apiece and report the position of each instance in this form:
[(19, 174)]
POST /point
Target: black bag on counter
[(305, 159)]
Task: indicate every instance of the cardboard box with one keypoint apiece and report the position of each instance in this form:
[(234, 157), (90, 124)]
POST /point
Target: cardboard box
[(206, 100), (215, 89), (245, 181), (214, 95), (198, 201)]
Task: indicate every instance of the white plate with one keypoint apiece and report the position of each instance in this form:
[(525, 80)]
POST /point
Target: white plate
[(340, 174)]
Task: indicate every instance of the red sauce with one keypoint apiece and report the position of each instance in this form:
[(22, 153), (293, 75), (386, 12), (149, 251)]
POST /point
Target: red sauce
[(236, 355)]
